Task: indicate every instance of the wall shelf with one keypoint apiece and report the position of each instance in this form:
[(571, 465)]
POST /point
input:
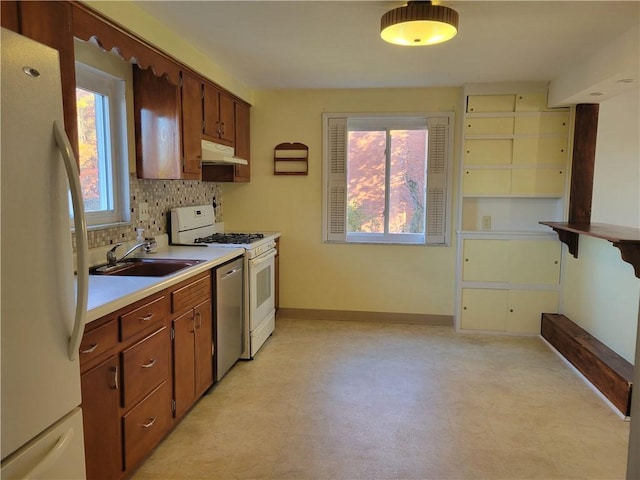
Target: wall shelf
[(291, 159), (626, 239)]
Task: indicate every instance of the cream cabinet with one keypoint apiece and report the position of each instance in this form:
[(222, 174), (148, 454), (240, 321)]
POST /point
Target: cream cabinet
[(502, 310), (513, 174)]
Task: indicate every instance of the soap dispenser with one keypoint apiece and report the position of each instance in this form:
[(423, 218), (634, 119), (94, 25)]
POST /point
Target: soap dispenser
[(140, 239)]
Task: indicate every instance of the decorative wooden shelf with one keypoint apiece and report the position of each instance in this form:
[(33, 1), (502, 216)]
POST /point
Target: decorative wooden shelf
[(626, 239), (291, 159)]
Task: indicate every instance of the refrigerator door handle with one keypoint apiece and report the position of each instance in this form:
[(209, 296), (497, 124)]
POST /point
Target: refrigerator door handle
[(80, 224), (52, 457)]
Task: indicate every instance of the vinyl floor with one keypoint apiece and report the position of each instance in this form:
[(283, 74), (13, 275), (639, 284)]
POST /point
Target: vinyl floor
[(356, 400)]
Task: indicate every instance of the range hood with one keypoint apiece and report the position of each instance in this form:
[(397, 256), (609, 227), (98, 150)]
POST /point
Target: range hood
[(217, 154)]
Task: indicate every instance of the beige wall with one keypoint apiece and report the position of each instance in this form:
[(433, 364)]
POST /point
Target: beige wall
[(401, 279), (600, 291)]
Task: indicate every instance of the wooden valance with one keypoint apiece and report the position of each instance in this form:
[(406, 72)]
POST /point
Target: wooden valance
[(88, 25)]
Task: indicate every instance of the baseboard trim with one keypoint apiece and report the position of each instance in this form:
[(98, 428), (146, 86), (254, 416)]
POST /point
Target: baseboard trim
[(358, 316)]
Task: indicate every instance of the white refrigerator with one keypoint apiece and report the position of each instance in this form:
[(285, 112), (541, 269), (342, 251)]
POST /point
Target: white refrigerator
[(43, 304)]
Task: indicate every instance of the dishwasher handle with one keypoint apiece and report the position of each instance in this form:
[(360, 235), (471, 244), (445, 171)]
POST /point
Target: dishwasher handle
[(231, 272)]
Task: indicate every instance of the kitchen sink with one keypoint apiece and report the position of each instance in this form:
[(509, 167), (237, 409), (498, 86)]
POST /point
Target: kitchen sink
[(144, 267)]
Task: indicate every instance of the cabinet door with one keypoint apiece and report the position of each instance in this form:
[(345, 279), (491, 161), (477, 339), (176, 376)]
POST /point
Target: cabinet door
[(183, 362), (227, 119), (540, 181), (484, 309), (157, 120), (242, 173), (540, 151), (535, 262), (191, 126), (531, 102), (487, 182), (50, 23), (219, 115), (489, 126), (203, 320), (526, 308), (488, 152), (486, 261), (101, 420), (542, 124), (490, 103)]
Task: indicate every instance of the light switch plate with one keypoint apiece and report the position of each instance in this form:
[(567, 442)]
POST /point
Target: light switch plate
[(486, 222)]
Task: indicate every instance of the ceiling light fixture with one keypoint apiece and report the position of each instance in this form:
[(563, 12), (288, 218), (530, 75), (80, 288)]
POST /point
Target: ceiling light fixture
[(419, 23)]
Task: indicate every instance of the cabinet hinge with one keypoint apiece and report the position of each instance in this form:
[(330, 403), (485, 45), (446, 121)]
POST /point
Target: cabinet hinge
[(173, 406)]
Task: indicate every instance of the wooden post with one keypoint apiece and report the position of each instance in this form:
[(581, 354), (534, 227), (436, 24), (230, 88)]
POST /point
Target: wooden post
[(584, 157)]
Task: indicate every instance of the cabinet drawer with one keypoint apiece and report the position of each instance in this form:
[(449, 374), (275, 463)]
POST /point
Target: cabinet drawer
[(146, 424), (191, 294), (97, 342), (145, 365), (490, 103), (147, 317)]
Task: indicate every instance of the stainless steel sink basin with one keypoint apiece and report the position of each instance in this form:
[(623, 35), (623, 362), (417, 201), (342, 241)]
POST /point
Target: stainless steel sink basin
[(144, 267)]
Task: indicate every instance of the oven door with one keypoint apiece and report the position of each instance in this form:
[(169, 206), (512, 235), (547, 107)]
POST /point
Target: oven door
[(261, 288)]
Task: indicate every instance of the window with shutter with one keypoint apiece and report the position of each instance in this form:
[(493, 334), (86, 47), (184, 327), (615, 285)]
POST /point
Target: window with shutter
[(386, 178)]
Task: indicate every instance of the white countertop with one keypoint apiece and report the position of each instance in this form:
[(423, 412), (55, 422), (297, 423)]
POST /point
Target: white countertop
[(110, 293)]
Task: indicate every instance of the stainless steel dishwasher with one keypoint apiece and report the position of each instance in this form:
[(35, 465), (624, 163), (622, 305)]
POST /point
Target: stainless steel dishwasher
[(229, 322)]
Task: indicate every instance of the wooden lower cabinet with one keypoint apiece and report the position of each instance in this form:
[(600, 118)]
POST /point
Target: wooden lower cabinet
[(514, 311), (126, 363), (101, 420), (192, 342)]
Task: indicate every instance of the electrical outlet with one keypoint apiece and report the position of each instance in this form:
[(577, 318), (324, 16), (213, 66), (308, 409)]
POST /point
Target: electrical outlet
[(486, 222), (143, 211)]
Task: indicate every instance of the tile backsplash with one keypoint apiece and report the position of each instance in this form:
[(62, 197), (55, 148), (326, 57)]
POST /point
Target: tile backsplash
[(160, 196)]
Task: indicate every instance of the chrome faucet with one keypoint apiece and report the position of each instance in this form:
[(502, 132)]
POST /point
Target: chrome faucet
[(112, 258)]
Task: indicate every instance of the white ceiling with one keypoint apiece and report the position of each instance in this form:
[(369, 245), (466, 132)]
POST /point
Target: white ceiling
[(328, 44)]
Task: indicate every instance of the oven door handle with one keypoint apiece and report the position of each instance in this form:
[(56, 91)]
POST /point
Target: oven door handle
[(263, 258)]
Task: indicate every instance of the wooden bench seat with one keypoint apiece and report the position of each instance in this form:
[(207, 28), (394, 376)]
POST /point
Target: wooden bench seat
[(605, 369)]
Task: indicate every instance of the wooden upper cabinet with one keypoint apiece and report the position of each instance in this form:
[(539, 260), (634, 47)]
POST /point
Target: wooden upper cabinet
[(242, 173), (51, 23), (219, 116), (191, 125), (157, 122)]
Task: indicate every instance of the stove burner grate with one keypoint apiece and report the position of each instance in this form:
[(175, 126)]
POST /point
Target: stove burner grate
[(238, 238)]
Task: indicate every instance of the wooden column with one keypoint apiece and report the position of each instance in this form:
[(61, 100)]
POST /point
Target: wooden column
[(583, 163)]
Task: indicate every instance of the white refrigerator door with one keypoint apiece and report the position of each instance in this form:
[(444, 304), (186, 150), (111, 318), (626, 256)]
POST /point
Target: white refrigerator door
[(57, 454), (40, 385)]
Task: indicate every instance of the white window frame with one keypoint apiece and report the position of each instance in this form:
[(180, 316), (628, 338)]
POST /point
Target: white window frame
[(439, 177), (113, 88)]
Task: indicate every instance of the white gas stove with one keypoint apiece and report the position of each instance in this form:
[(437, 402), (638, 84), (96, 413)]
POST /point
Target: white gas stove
[(196, 226)]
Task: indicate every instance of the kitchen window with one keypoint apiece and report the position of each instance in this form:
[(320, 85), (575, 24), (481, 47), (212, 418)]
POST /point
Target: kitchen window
[(387, 178), (101, 138)]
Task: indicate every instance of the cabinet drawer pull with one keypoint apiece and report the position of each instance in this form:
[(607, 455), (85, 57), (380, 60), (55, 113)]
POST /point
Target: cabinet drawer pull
[(198, 320), (146, 318), (149, 423), (90, 349), (149, 364), (115, 378)]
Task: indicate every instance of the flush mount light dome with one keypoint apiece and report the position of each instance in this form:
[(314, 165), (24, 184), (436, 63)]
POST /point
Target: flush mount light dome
[(419, 23)]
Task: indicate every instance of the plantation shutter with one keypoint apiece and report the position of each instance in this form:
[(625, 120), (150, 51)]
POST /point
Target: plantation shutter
[(438, 141), (337, 175)]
